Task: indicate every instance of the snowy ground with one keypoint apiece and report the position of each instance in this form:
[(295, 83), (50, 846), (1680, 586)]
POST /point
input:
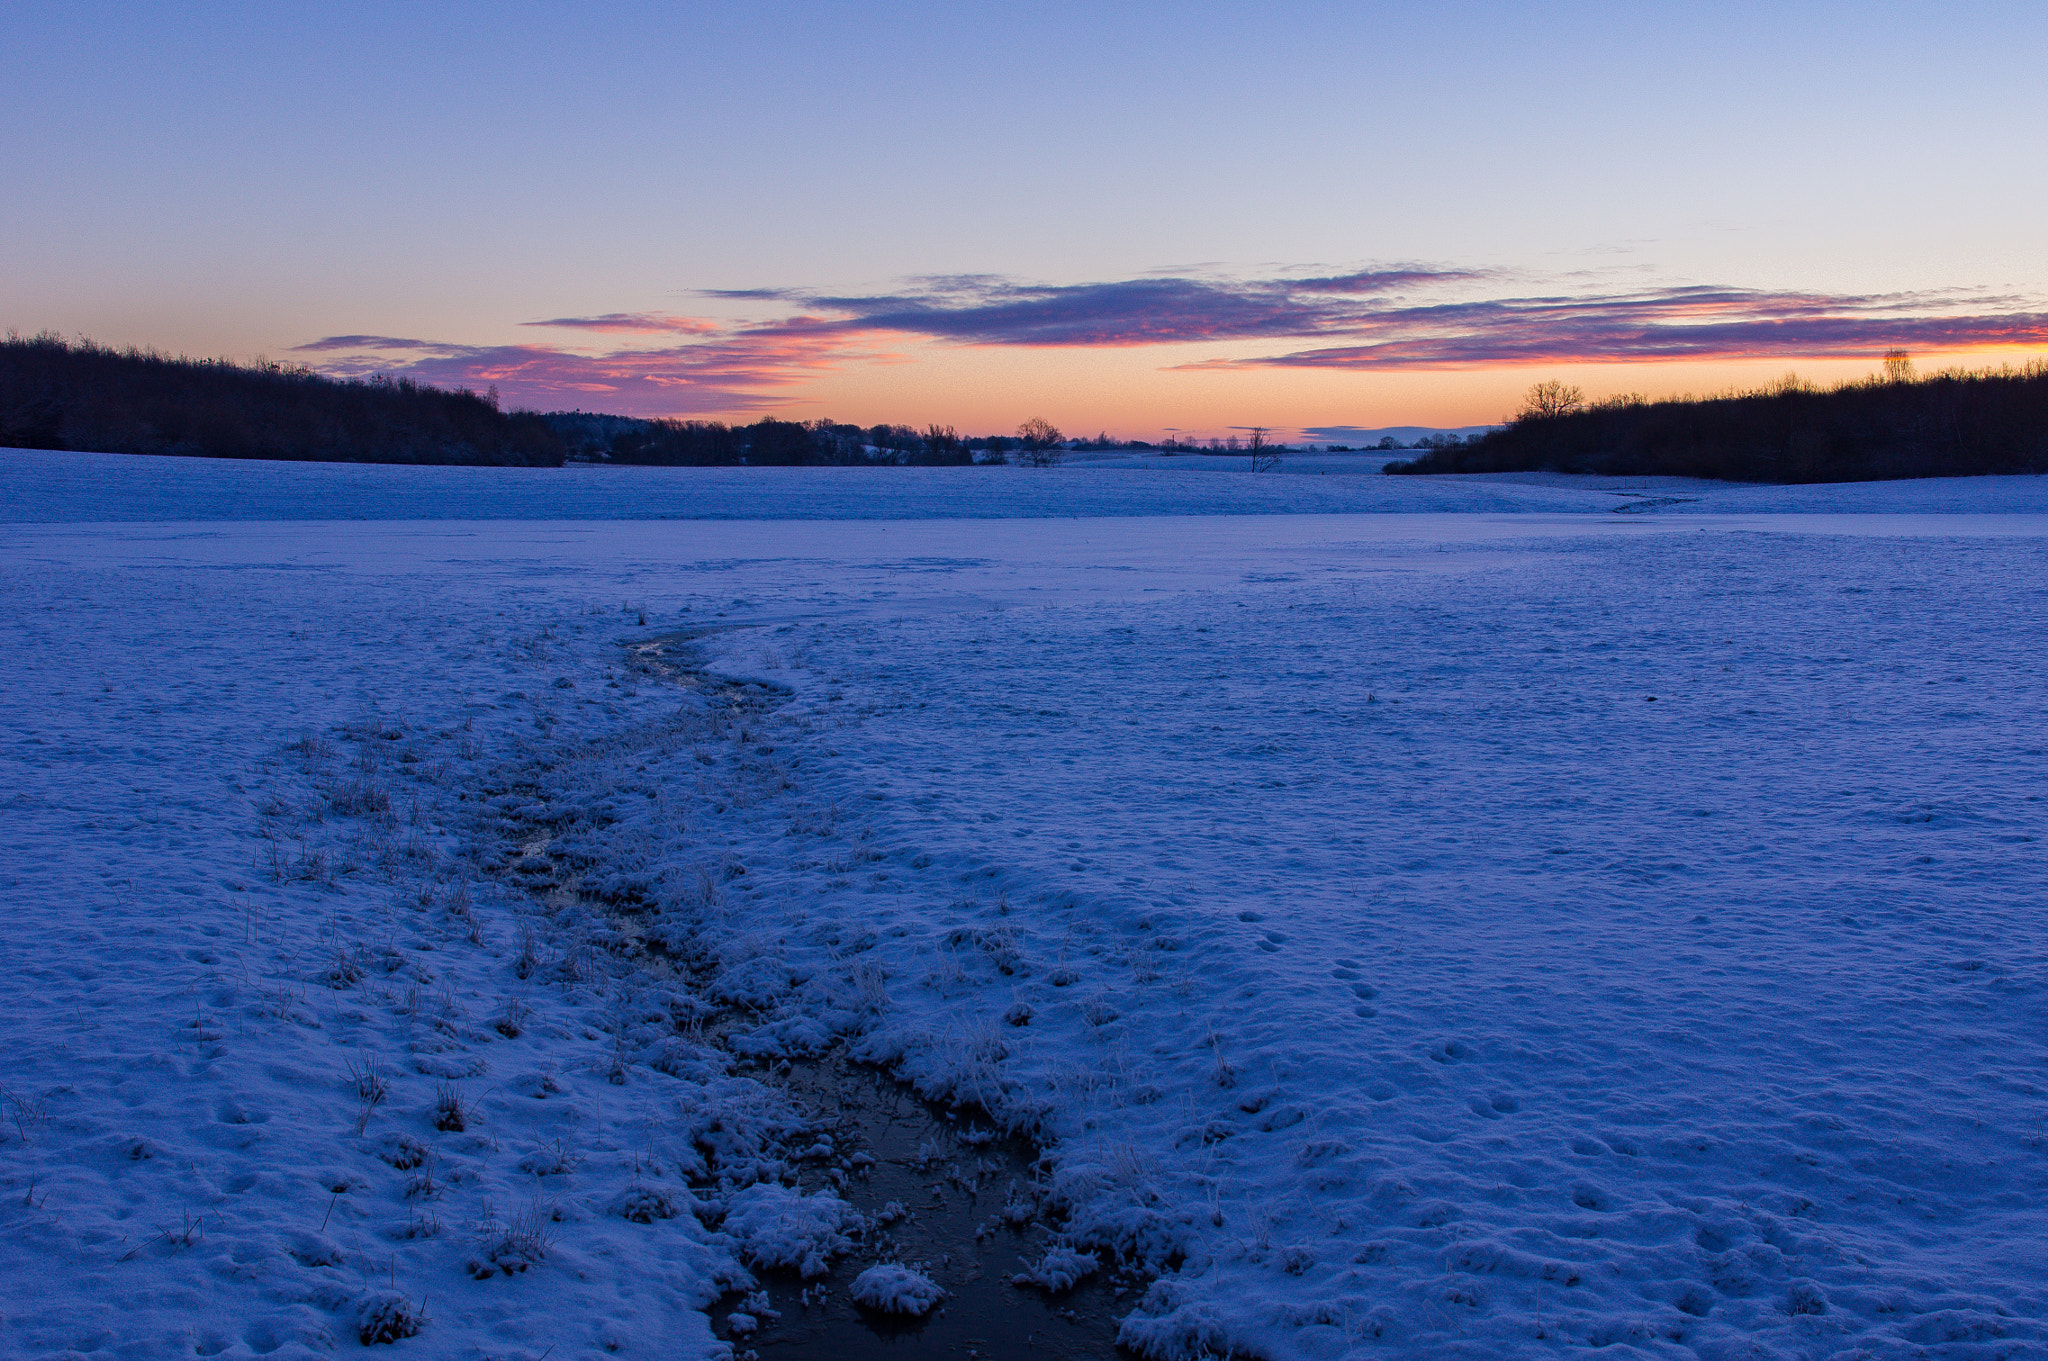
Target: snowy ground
[(1435, 934), (37, 487)]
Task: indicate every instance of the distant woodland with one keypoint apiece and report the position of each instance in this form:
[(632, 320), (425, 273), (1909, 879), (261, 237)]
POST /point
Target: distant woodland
[(775, 443), (767, 442), (58, 394), (1952, 424)]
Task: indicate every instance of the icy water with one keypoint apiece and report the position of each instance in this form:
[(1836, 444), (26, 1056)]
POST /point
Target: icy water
[(959, 1203), (939, 1188)]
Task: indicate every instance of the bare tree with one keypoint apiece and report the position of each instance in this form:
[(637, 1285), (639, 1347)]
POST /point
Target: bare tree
[(1898, 366), (1041, 443), (1550, 399), (1264, 455), (942, 444)]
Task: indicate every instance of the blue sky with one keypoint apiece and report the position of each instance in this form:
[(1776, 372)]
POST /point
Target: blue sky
[(1115, 216)]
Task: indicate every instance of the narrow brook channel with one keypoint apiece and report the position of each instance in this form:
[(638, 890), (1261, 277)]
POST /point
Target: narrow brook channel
[(952, 1177), (960, 1201)]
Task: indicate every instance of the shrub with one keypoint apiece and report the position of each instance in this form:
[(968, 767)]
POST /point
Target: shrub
[(384, 1319)]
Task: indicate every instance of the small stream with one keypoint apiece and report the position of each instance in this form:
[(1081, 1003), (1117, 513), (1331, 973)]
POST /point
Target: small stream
[(941, 1190), (971, 1219)]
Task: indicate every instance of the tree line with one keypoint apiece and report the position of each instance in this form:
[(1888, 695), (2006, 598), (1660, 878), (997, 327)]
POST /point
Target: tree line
[(65, 394), (770, 442), (1955, 423), (59, 394)]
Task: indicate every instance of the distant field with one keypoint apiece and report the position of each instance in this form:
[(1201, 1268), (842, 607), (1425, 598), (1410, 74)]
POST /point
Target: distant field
[(36, 485)]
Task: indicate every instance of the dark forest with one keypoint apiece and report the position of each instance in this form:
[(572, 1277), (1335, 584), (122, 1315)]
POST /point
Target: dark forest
[(1952, 424), (58, 394)]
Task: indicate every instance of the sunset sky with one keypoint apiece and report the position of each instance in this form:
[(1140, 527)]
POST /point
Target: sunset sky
[(1135, 218)]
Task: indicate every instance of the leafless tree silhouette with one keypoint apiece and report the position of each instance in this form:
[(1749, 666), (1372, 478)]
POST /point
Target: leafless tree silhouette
[(1264, 456), (1551, 398), (1041, 442)]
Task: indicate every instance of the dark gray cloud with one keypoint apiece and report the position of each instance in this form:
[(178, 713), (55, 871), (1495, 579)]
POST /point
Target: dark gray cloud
[(1384, 319), (989, 310), (1664, 325), (633, 323), (332, 344)]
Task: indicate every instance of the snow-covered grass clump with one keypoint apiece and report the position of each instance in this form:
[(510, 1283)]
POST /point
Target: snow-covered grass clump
[(780, 1228), (893, 1288), (1059, 1270)]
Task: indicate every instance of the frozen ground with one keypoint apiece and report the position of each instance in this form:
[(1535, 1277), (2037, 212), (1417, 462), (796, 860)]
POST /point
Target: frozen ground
[(1433, 935)]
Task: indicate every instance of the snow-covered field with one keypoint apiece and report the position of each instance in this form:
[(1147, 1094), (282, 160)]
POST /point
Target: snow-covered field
[(1441, 933), (38, 487)]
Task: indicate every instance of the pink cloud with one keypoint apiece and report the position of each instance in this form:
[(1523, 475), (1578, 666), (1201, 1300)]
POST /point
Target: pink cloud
[(733, 373)]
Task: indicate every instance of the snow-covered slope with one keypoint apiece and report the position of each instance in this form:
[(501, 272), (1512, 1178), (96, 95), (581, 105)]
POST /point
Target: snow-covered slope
[(1441, 935)]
